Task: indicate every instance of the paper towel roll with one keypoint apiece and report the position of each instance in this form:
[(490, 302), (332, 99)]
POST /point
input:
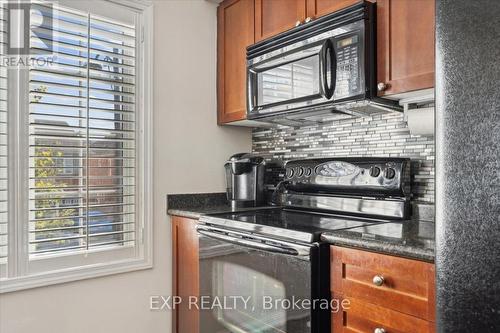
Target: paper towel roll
[(420, 121)]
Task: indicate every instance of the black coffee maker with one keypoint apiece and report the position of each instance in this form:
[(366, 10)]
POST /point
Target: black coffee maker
[(245, 176)]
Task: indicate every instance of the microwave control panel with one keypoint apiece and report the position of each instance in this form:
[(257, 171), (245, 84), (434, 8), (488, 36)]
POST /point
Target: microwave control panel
[(350, 76)]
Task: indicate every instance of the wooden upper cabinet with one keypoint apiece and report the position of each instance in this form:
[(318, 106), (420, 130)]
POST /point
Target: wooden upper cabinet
[(235, 31), (405, 45), (317, 8), (275, 16)]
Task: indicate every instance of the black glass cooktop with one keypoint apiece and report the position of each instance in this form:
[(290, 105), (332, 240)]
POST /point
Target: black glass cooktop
[(287, 223)]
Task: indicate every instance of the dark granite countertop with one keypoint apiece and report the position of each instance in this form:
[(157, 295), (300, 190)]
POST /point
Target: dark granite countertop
[(413, 239), (194, 205), (196, 212)]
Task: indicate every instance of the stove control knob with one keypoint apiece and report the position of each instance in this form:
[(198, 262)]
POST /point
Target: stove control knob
[(308, 172), (389, 173), (300, 172), (374, 171), (289, 173)]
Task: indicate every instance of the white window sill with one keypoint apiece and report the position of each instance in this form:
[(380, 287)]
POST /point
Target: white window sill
[(73, 274)]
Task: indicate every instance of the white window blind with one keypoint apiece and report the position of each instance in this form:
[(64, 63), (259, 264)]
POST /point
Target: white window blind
[(3, 146), (82, 133), (79, 146)]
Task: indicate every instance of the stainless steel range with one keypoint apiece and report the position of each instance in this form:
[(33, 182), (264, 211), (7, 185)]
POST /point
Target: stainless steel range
[(273, 257)]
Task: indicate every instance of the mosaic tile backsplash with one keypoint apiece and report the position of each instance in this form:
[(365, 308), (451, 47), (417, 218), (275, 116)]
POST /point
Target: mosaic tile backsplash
[(383, 135)]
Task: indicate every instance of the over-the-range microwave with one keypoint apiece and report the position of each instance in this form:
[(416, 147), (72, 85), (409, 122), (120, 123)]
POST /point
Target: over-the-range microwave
[(322, 70)]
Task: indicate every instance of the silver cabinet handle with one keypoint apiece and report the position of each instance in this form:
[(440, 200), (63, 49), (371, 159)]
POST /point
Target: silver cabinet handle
[(307, 20), (378, 280), (379, 330), (381, 86), (297, 23)]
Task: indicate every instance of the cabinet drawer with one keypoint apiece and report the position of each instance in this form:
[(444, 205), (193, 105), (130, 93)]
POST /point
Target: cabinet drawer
[(406, 285), (363, 317)]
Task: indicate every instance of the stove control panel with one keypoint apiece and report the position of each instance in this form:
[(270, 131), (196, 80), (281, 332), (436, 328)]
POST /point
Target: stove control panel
[(384, 176)]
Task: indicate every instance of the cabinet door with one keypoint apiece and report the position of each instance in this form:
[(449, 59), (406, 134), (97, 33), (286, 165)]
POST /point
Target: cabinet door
[(405, 45), (317, 8), (186, 273), (407, 286), (275, 16), (235, 31)]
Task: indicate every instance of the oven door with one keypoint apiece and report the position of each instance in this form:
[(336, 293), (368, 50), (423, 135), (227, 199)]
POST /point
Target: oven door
[(255, 279)]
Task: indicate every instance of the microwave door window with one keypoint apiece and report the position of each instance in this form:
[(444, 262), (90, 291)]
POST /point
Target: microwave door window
[(290, 81)]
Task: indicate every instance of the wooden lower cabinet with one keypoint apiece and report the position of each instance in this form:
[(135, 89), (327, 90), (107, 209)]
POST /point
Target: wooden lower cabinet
[(392, 294), (186, 273), (367, 317)]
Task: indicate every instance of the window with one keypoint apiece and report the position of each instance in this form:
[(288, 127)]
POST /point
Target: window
[(74, 166), (3, 149)]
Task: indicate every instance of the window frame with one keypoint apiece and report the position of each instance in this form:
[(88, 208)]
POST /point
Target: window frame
[(24, 273)]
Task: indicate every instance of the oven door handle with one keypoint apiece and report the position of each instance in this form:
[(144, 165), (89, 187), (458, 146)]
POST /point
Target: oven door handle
[(255, 244)]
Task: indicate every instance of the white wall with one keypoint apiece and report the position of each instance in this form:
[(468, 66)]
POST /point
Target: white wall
[(189, 153)]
